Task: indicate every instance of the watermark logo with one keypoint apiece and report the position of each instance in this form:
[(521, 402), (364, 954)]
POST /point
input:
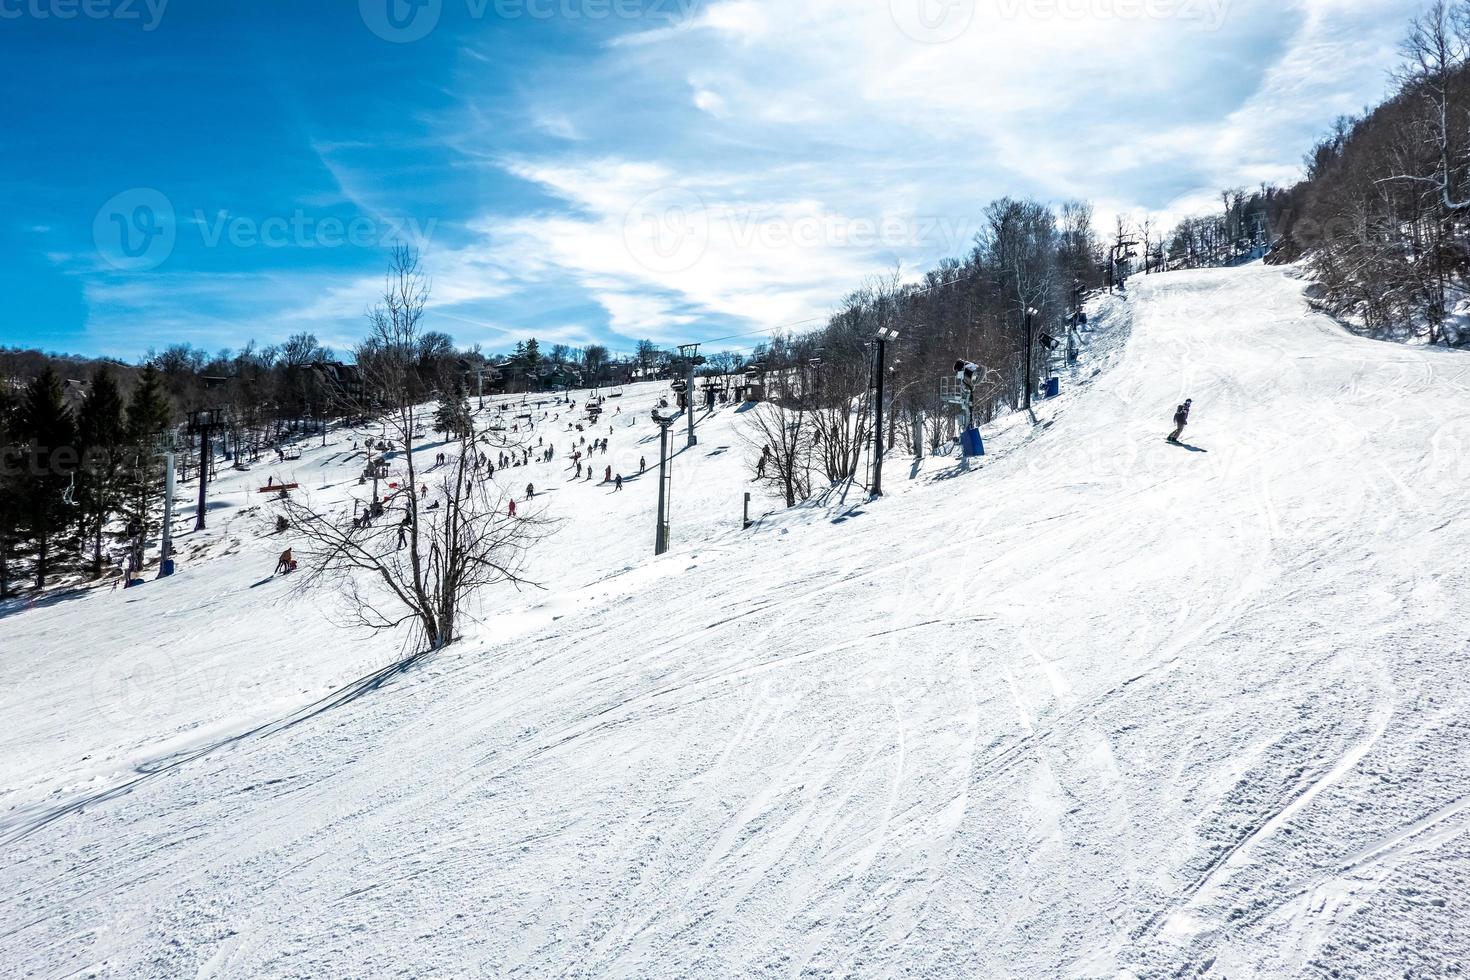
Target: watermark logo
[(401, 21), (136, 230), (667, 230), (933, 21), (406, 21), (134, 688)]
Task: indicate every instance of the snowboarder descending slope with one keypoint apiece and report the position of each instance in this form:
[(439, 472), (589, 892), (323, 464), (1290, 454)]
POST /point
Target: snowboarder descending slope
[(1181, 419)]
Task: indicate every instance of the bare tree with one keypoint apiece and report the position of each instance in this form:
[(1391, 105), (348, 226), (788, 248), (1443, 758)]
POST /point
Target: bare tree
[(419, 554), (782, 435), (1435, 52)]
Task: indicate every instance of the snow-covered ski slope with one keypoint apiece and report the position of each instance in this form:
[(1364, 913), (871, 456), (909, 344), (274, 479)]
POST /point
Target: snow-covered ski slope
[(1101, 706)]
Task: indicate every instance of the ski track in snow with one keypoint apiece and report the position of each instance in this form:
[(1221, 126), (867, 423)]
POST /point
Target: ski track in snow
[(1100, 706)]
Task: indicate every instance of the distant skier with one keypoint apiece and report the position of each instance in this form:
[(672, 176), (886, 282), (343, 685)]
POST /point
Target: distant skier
[(619, 484), (530, 491), (285, 564), (1181, 419)]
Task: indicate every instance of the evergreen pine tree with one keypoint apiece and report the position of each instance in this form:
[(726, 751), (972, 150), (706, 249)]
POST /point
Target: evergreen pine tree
[(102, 438), (50, 464), (453, 417), (532, 358), (517, 362), (149, 416), (11, 468)]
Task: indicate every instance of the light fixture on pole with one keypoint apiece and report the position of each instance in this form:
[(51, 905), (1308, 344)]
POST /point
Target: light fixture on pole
[(692, 360)]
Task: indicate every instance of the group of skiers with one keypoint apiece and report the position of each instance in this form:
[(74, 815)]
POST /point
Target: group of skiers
[(965, 372)]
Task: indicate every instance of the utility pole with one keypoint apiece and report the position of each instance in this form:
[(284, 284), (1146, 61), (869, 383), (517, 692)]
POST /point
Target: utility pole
[(690, 353), (661, 529), (881, 349)]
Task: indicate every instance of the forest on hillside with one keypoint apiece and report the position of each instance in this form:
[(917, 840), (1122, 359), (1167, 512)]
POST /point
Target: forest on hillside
[(1382, 220)]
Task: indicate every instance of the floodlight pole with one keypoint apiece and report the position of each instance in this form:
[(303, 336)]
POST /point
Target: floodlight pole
[(688, 352), (199, 522), (878, 418), (166, 550), (661, 530), (1029, 341)]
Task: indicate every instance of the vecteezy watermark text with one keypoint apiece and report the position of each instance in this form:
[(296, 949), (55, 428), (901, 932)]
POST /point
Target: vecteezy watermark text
[(138, 230), (670, 230), (147, 12), (406, 21)]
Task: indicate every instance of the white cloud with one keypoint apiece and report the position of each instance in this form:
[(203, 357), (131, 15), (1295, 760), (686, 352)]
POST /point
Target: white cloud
[(710, 102), (824, 144)]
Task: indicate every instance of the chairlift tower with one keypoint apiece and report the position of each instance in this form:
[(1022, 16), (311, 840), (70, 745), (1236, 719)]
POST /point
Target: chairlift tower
[(202, 422)]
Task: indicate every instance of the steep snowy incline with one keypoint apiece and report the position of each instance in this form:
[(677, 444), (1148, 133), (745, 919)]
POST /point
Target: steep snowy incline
[(1101, 705)]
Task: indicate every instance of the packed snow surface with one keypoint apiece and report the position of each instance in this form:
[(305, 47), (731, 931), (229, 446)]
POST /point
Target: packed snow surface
[(1099, 705)]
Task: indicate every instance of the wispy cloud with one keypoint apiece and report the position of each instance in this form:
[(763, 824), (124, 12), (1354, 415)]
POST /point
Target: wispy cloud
[(749, 162), (822, 142)]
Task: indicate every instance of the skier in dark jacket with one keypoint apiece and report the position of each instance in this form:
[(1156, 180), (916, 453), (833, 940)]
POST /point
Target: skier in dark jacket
[(1181, 419)]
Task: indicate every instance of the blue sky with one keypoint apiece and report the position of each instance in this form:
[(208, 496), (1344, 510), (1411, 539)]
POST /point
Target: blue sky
[(607, 170)]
